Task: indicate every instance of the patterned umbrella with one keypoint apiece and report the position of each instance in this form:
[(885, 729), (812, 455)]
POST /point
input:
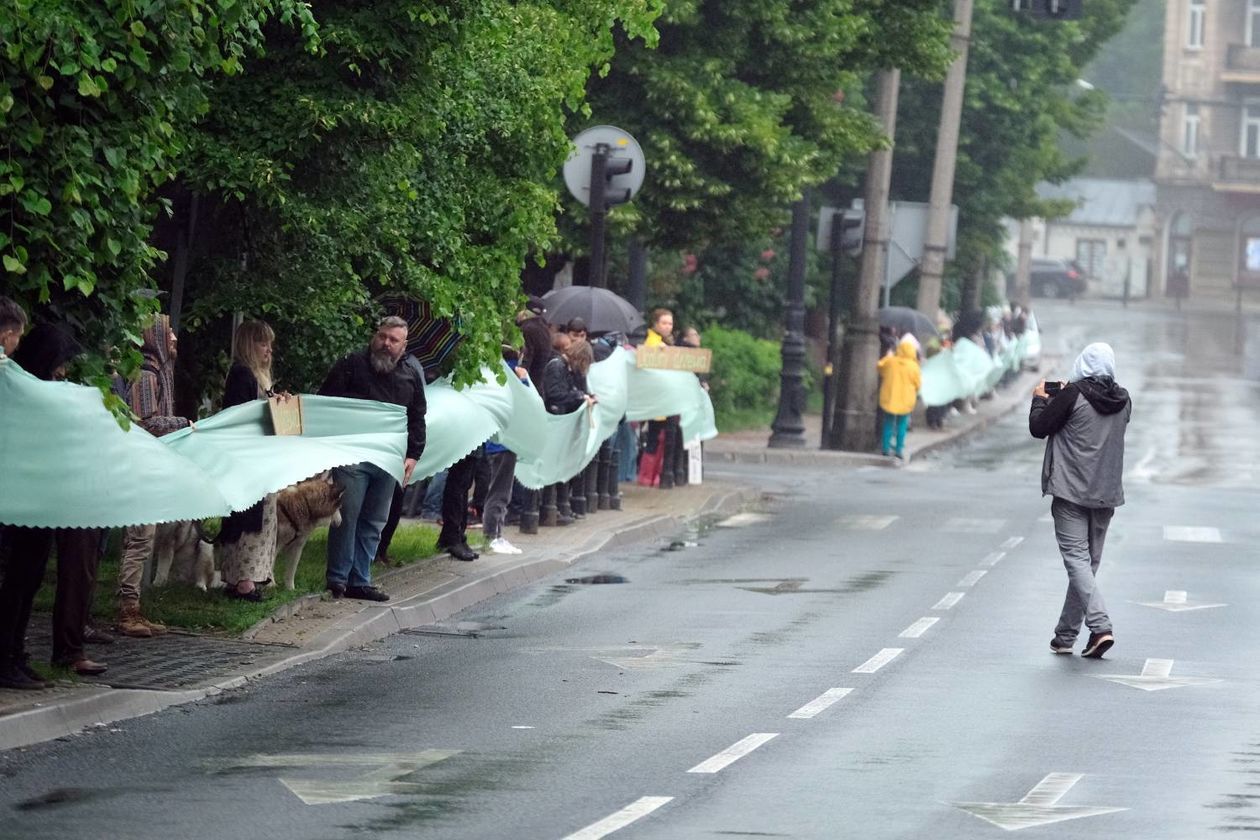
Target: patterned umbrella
[(430, 339)]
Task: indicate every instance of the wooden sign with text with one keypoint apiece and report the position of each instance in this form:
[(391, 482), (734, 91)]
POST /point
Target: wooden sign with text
[(286, 415), (668, 357)]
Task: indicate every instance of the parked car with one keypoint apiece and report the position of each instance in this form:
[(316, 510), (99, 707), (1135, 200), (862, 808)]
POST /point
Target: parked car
[(1057, 278)]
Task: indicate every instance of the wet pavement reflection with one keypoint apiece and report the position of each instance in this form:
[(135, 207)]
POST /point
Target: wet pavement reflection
[(1195, 382)]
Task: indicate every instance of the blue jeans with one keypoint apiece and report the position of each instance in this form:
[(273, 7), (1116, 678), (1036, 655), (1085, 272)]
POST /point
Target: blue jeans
[(367, 492), (900, 421)]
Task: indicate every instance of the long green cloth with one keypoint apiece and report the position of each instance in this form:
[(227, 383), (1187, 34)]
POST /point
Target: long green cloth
[(66, 463), (967, 370)]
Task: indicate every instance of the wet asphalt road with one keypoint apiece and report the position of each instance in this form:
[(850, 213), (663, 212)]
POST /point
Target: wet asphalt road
[(593, 697)]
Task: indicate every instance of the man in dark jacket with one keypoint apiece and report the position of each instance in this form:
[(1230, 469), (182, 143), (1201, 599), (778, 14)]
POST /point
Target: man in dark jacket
[(1085, 420), (376, 373)]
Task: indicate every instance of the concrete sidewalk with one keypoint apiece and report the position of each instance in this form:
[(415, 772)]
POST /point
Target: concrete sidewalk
[(751, 447), (149, 675)]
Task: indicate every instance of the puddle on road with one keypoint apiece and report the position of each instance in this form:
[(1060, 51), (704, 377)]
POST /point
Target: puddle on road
[(465, 629), (597, 579)]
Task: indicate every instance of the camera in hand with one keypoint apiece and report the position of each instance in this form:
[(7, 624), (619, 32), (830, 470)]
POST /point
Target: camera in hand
[(1053, 388)]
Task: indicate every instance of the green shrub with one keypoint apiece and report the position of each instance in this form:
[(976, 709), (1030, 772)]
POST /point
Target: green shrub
[(744, 383)]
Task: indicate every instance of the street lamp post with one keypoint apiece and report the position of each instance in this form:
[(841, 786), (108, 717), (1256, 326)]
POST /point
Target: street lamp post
[(788, 429)]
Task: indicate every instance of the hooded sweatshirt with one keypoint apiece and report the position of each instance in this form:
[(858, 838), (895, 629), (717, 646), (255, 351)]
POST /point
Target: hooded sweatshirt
[(1085, 423), (152, 396), (899, 379), (45, 349)]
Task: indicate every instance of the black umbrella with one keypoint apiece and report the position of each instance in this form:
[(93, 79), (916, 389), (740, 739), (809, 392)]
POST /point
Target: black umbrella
[(907, 320), (603, 311)]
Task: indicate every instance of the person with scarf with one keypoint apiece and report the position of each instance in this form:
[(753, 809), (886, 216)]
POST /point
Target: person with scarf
[(1083, 422), (152, 399), (44, 353)]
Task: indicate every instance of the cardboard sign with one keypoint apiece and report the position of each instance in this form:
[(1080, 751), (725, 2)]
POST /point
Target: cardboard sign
[(668, 357), (286, 415)]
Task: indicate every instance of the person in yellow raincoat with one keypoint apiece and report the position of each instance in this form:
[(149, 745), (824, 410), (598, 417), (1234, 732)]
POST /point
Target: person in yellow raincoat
[(899, 383)]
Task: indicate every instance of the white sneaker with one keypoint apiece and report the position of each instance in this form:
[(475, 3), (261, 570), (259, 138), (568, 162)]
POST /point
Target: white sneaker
[(499, 545)]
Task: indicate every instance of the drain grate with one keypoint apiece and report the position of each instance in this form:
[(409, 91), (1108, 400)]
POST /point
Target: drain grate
[(168, 662)]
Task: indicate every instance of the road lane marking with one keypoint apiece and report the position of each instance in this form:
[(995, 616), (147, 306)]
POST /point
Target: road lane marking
[(1156, 675), (733, 753), (974, 526), (381, 779), (1013, 542), (878, 661), (1040, 806), (820, 703), (636, 810), (917, 629), (949, 601), (867, 523), (972, 578), (993, 559), (741, 520), (1175, 600), (1192, 534)]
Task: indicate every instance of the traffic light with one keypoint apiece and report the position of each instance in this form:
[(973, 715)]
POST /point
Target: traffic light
[(1049, 9), (614, 192), (850, 227)]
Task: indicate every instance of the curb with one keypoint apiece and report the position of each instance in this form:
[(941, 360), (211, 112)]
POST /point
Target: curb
[(109, 705)]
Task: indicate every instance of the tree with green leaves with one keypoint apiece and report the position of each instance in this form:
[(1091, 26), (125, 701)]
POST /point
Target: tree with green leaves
[(416, 153), (95, 100), (1021, 94), (741, 106)]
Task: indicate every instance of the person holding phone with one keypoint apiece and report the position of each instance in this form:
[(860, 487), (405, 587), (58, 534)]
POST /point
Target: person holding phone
[(1083, 422)]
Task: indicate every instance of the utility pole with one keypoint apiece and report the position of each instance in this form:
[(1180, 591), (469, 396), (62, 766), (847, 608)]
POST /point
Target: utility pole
[(1023, 265), (936, 242), (856, 391), (636, 286), (788, 428)]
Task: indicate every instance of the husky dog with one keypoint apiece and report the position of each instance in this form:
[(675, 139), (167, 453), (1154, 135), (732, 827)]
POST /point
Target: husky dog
[(182, 548), (301, 509)]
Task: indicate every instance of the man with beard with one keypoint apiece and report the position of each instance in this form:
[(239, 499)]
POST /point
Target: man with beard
[(376, 373)]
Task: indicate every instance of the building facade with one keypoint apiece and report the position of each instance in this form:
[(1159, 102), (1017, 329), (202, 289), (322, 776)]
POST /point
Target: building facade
[(1207, 173)]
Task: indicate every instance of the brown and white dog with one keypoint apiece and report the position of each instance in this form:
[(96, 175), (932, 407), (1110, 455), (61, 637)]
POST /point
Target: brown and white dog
[(300, 509)]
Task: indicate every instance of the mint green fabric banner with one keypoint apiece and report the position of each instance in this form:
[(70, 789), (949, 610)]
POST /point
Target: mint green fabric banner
[(67, 463), (967, 370)]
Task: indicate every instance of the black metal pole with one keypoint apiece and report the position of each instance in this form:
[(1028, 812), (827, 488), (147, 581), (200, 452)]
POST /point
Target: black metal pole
[(833, 331), (788, 429), (599, 212)]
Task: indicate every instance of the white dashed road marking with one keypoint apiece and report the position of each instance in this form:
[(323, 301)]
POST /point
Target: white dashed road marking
[(867, 523), (1013, 542), (733, 753), (636, 810), (1192, 534), (878, 661), (974, 526), (949, 601), (917, 629), (820, 704), (972, 578), (993, 559)]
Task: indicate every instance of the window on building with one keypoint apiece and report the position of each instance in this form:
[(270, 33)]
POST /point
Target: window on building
[(1190, 130), (1195, 24), (1090, 256), (1249, 143), (1253, 23)]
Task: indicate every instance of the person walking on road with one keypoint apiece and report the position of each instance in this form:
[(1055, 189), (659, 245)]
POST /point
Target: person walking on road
[(899, 383), (1084, 420), (375, 373)]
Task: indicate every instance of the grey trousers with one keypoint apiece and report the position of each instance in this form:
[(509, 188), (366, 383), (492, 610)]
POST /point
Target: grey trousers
[(502, 471), (1081, 532)]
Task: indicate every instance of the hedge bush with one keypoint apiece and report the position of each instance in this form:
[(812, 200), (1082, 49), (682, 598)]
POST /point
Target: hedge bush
[(744, 383)]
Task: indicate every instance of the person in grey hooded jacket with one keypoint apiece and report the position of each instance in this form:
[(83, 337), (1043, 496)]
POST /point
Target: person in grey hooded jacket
[(1084, 420)]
